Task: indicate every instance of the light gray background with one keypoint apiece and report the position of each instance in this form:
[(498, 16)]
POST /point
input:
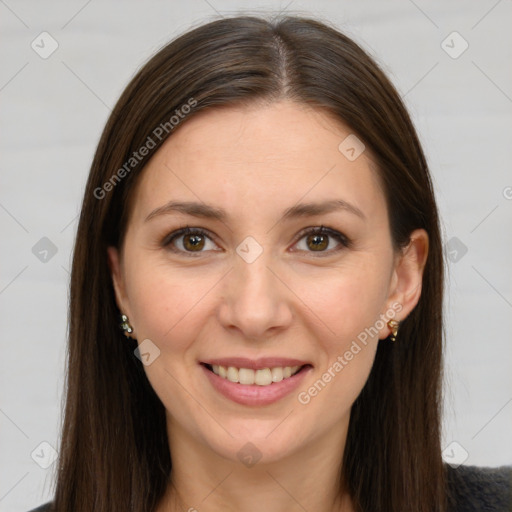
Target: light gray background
[(54, 109)]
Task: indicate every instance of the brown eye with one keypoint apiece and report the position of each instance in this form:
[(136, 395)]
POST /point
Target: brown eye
[(317, 242), (322, 240), (193, 242), (189, 241)]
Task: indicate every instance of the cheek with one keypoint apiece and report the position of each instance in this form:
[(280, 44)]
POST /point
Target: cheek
[(348, 303), (349, 309), (168, 304), (345, 301), (344, 379)]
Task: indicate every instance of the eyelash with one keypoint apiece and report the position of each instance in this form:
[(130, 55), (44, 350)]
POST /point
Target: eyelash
[(322, 230)]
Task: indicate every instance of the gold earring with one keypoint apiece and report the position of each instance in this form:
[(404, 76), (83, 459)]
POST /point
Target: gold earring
[(393, 325), (125, 326)]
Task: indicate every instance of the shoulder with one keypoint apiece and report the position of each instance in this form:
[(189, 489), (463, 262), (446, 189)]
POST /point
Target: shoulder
[(473, 488), (43, 508)]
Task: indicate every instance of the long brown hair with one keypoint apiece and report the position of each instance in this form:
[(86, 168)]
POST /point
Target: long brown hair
[(114, 453)]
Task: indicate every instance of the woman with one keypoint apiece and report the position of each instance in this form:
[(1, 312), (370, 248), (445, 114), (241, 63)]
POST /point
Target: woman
[(256, 295)]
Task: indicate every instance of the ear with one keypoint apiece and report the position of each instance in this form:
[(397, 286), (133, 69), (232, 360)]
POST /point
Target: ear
[(116, 273), (406, 280)]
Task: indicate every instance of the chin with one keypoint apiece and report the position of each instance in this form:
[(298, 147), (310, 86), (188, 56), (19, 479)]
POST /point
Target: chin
[(254, 442)]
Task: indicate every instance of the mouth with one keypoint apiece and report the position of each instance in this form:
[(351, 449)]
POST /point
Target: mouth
[(265, 383), (260, 377)]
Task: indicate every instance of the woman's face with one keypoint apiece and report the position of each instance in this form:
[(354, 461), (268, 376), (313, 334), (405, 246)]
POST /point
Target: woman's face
[(254, 288)]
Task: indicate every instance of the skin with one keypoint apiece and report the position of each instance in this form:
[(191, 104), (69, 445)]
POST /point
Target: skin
[(292, 301)]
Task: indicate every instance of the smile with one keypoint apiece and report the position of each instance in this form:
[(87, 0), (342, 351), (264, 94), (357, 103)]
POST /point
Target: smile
[(266, 383), (248, 376)]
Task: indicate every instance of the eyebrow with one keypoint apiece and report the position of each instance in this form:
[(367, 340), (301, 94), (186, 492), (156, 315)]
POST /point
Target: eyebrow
[(206, 211)]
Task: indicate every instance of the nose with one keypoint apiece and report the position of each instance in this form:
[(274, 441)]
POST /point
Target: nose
[(256, 302)]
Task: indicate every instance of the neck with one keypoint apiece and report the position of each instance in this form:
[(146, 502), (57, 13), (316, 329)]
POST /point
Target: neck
[(203, 480)]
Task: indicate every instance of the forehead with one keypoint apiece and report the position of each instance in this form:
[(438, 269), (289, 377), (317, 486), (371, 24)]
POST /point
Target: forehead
[(272, 156)]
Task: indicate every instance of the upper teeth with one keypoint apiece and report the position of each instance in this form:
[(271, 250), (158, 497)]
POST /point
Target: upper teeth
[(262, 377)]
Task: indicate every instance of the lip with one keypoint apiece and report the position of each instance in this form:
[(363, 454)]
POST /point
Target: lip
[(255, 395), (256, 364)]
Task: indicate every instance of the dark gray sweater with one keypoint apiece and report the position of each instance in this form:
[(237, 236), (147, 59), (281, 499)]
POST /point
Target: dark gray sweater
[(475, 489), (470, 488)]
